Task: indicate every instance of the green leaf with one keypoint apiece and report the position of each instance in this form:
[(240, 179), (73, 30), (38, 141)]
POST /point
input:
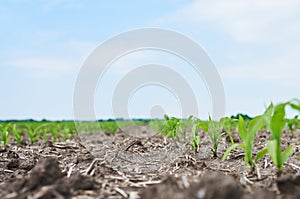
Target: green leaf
[(225, 119), (202, 125), (6, 127), (169, 134), (286, 153), (190, 118), (261, 154), (256, 124), (229, 150), (242, 129), (268, 114), (195, 142), (230, 137), (194, 130), (272, 147), (293, 104), (277, 121), (166, 117)]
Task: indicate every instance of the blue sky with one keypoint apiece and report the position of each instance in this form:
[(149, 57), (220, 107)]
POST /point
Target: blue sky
[(254, 44)]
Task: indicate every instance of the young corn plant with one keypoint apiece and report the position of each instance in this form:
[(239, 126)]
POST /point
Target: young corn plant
[(293, 124), (33, 132), (275, 121), (66, 133), (184, 124), (18, 136), (214, 131), (195, 137), (5, 134), (45, 135), (109, 126), (55, 132), (229, 124), (171, 127), (72, 131), (247, 135)]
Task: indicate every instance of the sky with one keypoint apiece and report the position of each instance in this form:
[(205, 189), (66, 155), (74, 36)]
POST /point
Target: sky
[(254, 45)]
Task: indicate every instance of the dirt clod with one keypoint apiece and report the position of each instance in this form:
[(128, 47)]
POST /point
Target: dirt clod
[(45, 172), (13, 164), (80, 182), (214, 185), (167, 189), (289, 185)]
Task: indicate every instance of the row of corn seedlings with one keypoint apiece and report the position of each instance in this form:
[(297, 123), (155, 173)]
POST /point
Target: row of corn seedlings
[(273, 119), (175, 128), (54, 131), (33, 131)]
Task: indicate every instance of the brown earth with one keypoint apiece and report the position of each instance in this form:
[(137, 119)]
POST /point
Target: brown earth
[(124, 166)]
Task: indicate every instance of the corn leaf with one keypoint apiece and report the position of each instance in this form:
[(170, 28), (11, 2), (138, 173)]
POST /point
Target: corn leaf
[(166, 117), (277, 121), (286, 153), (272, 148), (242, 129), (194, 130), (202, 125), (261, 154), (293, 104), (268, 114), (256, 123), (229, 150)]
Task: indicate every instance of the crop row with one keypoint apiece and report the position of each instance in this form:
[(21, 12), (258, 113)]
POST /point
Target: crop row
[(32, 131), (273, 119)]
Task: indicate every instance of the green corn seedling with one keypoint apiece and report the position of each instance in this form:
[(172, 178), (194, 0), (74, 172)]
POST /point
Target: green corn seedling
[(275, 120), (247, 136), (17, 134), (65, 134), (229, 124), (109, 126), (214, 131), (5, 135), (72, 131), (196, 138), (33, 132), (293, 124), (55, 132), (184, 124), (45, 133), (171, 127)]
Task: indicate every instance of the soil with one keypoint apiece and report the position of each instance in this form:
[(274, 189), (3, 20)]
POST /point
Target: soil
[(126, 166)]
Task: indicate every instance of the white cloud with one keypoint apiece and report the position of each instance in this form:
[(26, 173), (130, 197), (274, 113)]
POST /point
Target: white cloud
[(272, 26), (247, 20), (283, 70), (64, 59), (46, 66)]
